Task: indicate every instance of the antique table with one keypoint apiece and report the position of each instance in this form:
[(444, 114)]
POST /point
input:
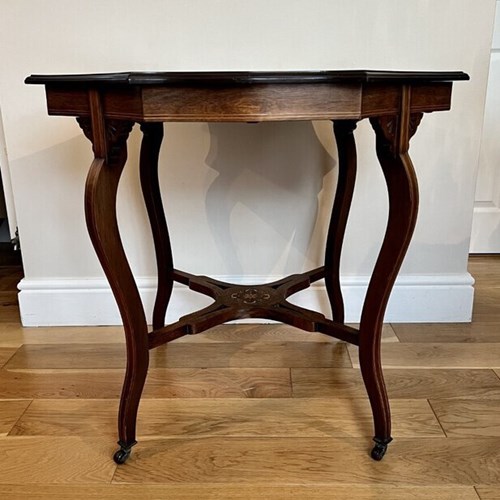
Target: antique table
[(107, 105)]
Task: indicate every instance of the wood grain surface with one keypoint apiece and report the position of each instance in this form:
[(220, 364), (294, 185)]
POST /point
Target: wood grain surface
[(225, 417), (198, 355), (437, 355), (419, 462), (401, 383), (468, 417), (14, 335), (161, 383), (488, 493), (448, 332), (254, 411), (10, 413), (238, 492), (27, 460), (5, 354)]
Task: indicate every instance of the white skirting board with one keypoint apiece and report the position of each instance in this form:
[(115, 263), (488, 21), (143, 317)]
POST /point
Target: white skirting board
[(80, 302)]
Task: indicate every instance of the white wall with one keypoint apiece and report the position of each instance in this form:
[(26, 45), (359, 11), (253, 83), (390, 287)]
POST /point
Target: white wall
[(485, 236), (242, 199)]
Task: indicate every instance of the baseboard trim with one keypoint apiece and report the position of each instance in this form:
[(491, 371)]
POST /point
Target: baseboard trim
[(77, 302)]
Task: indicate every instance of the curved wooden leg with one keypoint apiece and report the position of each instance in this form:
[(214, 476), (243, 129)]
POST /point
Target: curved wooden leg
[(346, 148), (150, 150), (109, 140), (403, 205)]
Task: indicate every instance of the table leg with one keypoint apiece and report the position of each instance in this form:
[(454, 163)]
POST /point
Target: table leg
[(346, 148), (110, 149), (392, 138), (150, 150)]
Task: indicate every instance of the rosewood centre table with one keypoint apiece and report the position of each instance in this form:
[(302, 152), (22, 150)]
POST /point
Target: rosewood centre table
[(107, 105)]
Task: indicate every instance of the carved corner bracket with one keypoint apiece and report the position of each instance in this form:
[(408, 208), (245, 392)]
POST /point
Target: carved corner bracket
[(395, 136), (395, 131), (117, 132)]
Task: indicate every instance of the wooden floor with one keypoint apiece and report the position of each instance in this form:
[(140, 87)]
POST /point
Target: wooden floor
[(253, 412)]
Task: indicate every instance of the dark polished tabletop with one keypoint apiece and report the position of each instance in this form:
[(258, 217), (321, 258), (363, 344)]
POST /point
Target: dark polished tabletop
[(248, 77)]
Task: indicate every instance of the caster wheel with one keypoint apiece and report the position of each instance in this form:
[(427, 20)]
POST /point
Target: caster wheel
[(378, 451), (380, 448), (120, 457)]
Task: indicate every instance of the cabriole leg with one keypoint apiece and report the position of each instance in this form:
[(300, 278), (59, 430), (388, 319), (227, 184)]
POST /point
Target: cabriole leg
[(150, 150), (392, 140), (346, 148), (109, 141)]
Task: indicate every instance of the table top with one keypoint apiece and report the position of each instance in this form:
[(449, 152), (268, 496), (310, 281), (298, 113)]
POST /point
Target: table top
[(205, 78), (236, 96)]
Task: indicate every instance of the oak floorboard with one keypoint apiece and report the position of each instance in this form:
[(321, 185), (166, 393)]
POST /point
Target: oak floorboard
[(229, 417), (488, 492), (72, 417), (5, 354), (26, 460), (14, 335), (401, 383), (485, 269), (9, 309), (10, 412), (486, 304), (56, 384), (160, 383), (235, 492), (254, 332), (199, 355), (68, 356), (212, 449), (448, 332), (218, 383), (11, 272), (468, 418), (256, 355), (10, 335), (418, 462), (275, 332), (435, 355)]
